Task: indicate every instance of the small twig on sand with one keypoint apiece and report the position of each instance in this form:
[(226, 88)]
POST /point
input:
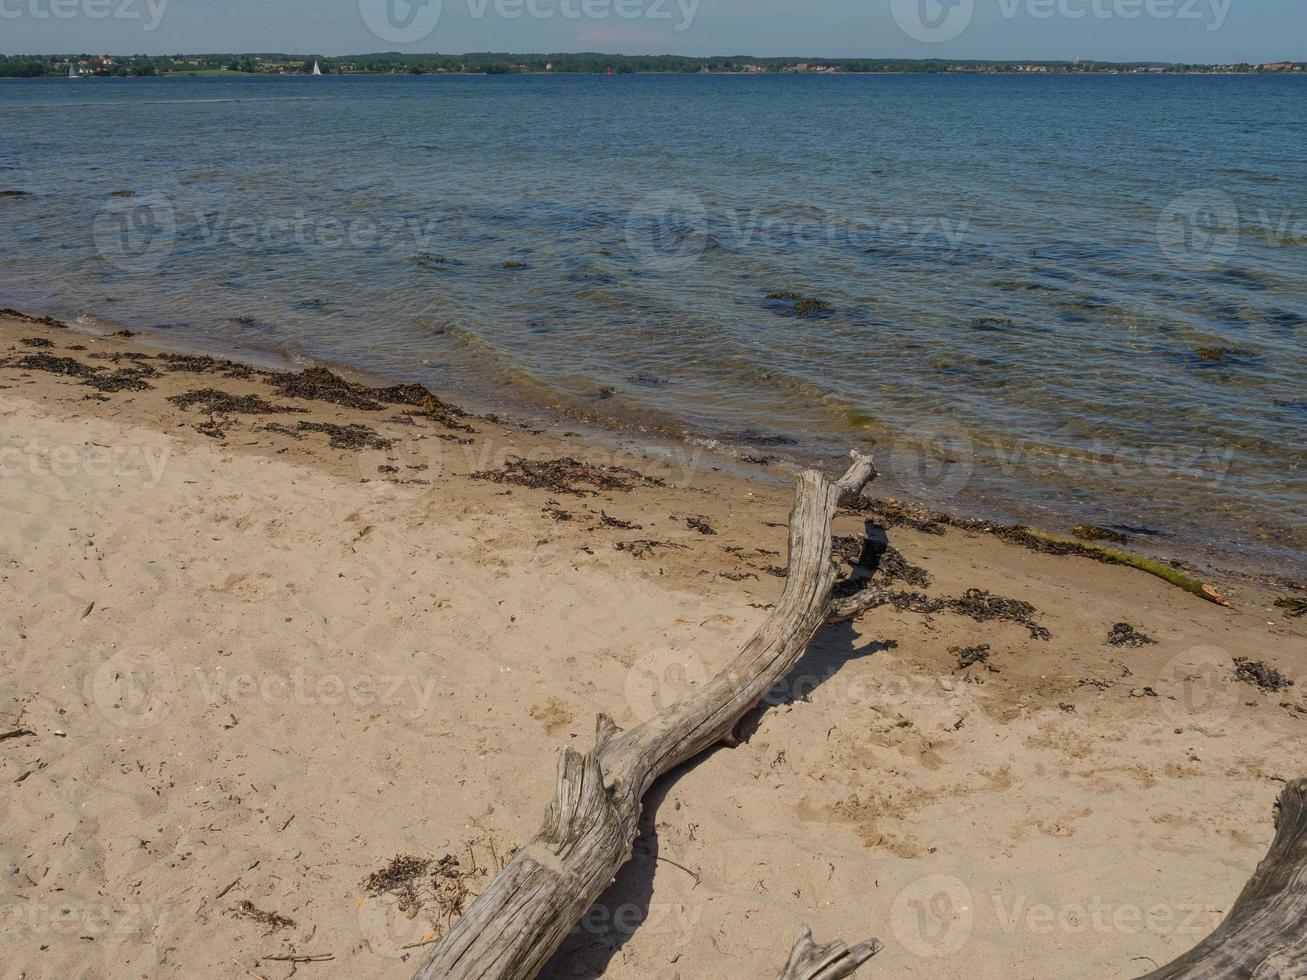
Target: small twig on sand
[(228, 888), (16, 733), (249, 972), (693, 874)]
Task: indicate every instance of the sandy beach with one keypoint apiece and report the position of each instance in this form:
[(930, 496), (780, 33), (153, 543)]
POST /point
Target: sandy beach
[(265, 635)]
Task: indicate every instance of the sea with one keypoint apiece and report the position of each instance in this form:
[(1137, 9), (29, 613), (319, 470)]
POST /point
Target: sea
[(1057, 299)]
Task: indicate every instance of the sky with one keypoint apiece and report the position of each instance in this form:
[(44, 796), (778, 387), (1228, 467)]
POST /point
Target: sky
[(1208, 31)]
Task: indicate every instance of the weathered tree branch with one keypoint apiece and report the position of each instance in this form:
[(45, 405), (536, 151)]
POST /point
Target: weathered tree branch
[(513, 928), (834, 961), (1264, 936)]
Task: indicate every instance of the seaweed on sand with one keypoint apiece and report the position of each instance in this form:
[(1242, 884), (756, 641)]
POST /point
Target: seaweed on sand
[(319, 384), (700, 523), (204, 364), (1293, 606), (890, 513), (1125, 635), (68, 366), (978, 604), (37, 342), (48, 321), (645, 547), (124, 379), (978, 654), (608, 521), (565, 475), (224, 402), (353, 436), (272, 920), (440, 889), (401, 878), (1263, 675), (883, 560)]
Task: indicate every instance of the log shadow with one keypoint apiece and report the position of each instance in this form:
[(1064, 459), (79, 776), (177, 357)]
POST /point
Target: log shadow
[(617, 915)]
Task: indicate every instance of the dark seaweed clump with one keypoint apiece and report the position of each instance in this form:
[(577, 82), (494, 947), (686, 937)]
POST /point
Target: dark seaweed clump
[(1092, 532), (892, 513), (204, 364), (54, 365), (213, 400), (1263, 675), (319, 384), (607, 521), (697, 522), (37, 342), (419, 884), (1293, 606), (978, 654), (880, 560), (978, 605), (566, 475), (124, 379), (1125, 635), (48, 321), (796, 304), (352, 436)]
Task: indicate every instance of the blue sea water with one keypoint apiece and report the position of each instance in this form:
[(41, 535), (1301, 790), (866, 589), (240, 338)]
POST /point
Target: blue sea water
[(1061, 299)]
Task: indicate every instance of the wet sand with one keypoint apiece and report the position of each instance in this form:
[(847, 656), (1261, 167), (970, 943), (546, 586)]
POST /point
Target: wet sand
[(246, 669)]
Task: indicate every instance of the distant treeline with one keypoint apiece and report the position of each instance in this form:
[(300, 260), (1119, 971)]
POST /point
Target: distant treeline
[(501, 63)]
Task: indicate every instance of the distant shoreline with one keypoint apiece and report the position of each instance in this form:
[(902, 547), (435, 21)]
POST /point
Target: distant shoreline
[(584, 63)]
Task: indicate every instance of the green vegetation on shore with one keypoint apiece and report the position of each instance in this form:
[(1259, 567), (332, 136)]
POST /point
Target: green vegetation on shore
[(499, 63)]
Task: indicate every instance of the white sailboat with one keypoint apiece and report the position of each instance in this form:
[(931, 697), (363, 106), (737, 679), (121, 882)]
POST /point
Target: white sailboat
[(316, 69), (72, 72)]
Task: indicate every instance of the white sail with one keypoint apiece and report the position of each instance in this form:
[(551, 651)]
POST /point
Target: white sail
[(72, 72), (316, 69)]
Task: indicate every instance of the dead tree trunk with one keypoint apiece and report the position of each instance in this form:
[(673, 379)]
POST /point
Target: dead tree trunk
[(513, 928), (1264, 936)]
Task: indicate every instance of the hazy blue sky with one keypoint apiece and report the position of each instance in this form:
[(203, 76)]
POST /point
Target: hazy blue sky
[(1162, 30)]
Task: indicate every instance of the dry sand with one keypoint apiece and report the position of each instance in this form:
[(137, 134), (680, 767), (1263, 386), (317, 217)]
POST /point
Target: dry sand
[(249, 670)]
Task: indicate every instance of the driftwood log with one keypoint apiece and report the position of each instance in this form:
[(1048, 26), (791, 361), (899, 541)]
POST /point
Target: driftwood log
[(518, 922), (1264, 936)]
